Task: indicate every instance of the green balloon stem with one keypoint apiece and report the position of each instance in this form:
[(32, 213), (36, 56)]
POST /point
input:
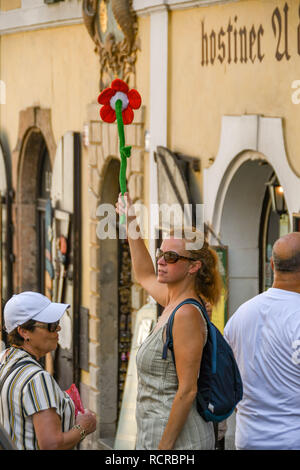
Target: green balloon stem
[(124, 154)]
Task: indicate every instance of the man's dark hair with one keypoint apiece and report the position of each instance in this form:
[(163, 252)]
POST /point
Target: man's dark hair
[(290, 265)]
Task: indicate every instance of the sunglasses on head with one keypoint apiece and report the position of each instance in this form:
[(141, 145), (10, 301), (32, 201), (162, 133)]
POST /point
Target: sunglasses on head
[(170, 257), (51, 327)]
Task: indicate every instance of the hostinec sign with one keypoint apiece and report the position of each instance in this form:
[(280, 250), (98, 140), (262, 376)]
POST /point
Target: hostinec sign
[(235, 43)]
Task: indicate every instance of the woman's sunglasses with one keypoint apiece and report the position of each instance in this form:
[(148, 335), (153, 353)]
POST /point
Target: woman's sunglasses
[(170, 257), (51, 327)]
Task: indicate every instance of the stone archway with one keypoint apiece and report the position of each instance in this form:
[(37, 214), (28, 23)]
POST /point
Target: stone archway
[(35, 131), (251, 148), (5, 236), (262, 136), (102, 151), (240, 227)]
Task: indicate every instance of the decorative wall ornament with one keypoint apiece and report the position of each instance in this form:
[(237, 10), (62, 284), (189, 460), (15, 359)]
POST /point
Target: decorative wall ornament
[(112, 25)]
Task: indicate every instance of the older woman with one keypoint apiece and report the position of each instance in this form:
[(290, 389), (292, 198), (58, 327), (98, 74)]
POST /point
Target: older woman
[(35, 412), (166, 413)]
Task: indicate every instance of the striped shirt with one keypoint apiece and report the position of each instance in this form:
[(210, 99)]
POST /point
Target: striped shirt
[(26, 391)]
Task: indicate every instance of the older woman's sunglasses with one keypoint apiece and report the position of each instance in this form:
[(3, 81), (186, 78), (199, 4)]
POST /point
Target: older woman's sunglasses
[(170, 257), (52, 327)]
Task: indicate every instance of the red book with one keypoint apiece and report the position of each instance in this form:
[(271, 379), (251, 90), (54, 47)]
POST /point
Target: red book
[(74, 394)]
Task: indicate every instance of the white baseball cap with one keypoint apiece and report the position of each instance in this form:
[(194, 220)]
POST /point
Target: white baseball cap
[(31, 306)]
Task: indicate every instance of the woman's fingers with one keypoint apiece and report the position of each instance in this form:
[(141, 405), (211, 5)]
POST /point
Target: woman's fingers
[(123, 203)]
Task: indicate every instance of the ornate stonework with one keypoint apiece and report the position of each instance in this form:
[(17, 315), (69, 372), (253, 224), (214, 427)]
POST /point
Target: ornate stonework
[(112, 25), (35, 128)]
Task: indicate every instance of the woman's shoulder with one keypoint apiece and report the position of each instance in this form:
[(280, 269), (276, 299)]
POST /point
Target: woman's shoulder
[(189, 310), (190, 318), (3, 355), (9, 353), (11, 357), (41, 380)]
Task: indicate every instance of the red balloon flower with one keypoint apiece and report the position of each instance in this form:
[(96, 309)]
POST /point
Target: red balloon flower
[(119, 90)]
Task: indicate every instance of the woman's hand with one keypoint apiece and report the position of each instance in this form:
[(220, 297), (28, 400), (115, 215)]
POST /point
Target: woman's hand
[(125, 206), (47, 426), (87, 421), (142, 263)]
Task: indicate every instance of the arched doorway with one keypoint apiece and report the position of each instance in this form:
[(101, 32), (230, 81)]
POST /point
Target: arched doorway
[(5, 238), (251, 150), (115, 312), (249, 226), (34, 177), (104, 322), (43, 194)]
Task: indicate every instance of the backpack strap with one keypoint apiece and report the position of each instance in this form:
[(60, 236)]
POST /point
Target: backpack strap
[(11, 370), (169, 339)]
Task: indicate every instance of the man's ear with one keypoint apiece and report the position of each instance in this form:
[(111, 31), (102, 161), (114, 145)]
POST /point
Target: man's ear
[(272, 263)]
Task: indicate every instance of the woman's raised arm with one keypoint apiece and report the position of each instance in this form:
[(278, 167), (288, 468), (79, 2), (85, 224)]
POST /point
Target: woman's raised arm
[(141, 260)]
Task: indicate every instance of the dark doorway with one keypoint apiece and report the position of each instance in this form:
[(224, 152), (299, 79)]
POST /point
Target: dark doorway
[(43, 194)]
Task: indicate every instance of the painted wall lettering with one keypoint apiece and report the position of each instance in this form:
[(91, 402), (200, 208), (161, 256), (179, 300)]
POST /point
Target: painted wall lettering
[(234, 43), (280, 30)]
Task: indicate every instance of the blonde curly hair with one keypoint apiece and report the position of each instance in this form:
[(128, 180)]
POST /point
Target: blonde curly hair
[(208, 281)]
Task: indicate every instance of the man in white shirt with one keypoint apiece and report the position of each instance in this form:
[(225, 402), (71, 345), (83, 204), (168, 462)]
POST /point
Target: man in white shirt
[(264, 334)]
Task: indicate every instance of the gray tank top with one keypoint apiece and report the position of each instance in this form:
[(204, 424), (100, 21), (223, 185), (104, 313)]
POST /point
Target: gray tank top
[(157, 386)]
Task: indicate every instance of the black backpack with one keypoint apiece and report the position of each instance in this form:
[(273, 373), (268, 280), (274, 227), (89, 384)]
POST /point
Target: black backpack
[(220, 385)]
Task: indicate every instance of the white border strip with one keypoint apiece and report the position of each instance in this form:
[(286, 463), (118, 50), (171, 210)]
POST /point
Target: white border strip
[(146, 7), (40, 16)]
